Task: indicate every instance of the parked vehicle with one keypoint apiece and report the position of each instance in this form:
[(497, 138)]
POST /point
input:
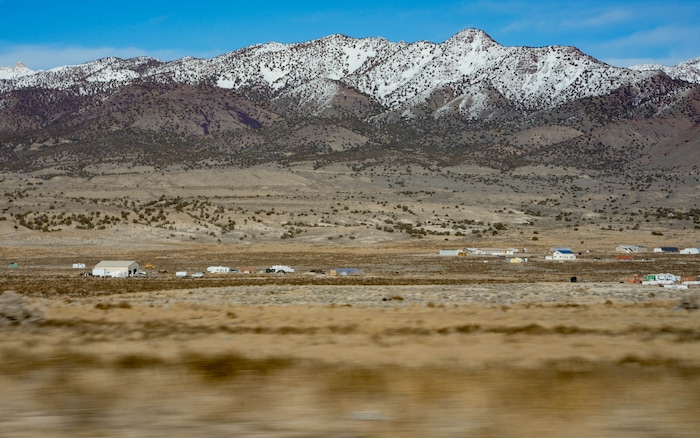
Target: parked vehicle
[(279, 269), (198, 275)]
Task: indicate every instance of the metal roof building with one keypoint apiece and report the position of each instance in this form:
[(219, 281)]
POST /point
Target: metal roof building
[(115, 268)]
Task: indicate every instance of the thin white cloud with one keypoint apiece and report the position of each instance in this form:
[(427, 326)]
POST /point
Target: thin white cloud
[(602, 19), (660, 36), (668, 45), (562, 19)]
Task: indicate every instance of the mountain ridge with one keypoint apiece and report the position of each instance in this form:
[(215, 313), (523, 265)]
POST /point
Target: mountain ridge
[(465, 98)]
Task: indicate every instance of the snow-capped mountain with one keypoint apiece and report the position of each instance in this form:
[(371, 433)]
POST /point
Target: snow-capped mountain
[(686, 71), (397, 75), (453, 94), (18, 71)]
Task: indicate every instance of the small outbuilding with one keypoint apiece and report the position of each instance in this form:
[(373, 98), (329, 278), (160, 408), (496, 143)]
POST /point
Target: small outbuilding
[(115, 268)]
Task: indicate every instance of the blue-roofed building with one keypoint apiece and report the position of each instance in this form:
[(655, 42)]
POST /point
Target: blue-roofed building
[(562, 253)]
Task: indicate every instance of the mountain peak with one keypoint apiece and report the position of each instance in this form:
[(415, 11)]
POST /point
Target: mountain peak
[(477, 38), (17, 71)]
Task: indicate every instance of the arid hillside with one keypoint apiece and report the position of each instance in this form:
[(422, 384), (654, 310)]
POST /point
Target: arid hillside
[(536, 207)]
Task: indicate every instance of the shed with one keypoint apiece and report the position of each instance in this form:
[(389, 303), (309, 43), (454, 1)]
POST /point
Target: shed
[(115, 268)]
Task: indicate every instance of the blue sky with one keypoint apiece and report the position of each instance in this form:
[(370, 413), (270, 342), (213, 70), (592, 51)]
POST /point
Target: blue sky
[(46, 34)]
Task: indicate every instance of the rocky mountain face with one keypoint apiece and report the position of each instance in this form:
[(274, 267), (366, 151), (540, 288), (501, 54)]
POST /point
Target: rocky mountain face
[(366, 101)]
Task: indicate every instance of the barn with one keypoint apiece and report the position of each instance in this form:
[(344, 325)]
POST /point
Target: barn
[(115, 268)]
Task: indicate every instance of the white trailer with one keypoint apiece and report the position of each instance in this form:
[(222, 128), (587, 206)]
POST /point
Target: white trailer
[(279, 269), (99, 272), (661, 279)]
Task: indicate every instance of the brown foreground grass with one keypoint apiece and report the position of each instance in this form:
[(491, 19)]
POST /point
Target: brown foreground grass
[(420, 346)]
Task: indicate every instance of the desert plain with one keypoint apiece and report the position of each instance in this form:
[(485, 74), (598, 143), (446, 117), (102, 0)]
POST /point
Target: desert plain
[(419, 345)]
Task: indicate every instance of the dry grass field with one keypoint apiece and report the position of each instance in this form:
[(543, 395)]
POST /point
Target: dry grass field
[(419, 346)]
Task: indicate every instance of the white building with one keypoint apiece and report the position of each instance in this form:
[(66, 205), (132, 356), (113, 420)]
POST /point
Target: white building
[(115, 268), (492, 251), (561, 254)]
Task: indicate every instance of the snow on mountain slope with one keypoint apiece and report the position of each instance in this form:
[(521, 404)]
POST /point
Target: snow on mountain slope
[(283, 66), (463, 73), (89, 78), (686, 71), (15, 72)]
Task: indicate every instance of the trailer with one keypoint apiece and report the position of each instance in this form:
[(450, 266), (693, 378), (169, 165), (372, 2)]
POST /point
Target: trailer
[(279, 269), (661, 279)]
